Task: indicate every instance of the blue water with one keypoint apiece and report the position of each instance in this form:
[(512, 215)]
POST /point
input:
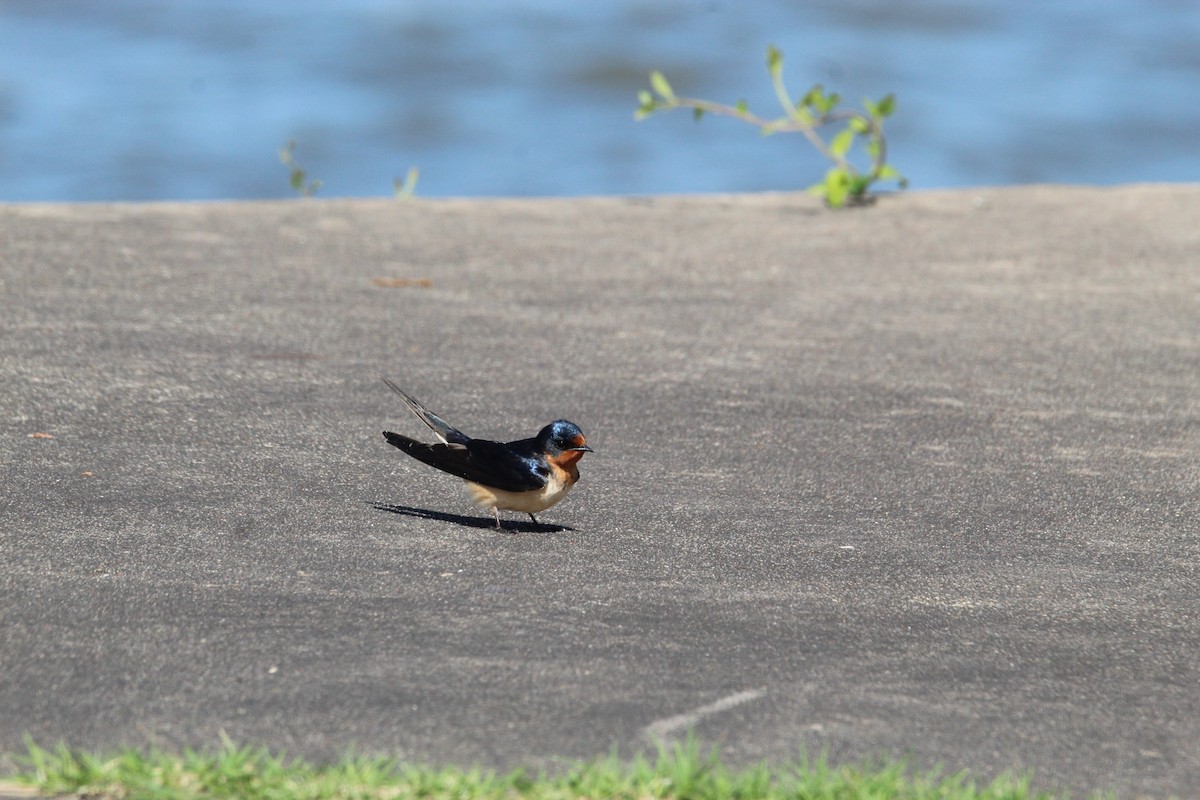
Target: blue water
[(192, 99)]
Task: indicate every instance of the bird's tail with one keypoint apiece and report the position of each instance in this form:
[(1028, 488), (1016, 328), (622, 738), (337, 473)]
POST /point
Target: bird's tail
[(403, 442), (444, 430)]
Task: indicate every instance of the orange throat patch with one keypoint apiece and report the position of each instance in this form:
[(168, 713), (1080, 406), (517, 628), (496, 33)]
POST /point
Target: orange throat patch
[(566, 461)]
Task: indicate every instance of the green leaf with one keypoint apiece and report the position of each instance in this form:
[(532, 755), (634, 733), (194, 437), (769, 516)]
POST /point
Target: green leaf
[(697, 114), (406, 189), (886, 106), (836, 187), (647, 105), (813, 96), (840, 145), (774, 61), (661, 86), (742, 107), (860, 125), (858, 185)]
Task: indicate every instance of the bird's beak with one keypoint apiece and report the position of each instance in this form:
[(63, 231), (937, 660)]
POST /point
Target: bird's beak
[(583, 449)]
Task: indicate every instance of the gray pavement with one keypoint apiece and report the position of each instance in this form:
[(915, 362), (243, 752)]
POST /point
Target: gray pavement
[(920, 479)]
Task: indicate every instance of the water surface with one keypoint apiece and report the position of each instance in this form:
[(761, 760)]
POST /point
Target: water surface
[(149, 99)]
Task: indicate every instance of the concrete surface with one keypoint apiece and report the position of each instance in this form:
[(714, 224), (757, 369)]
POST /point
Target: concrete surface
[(916, 479)]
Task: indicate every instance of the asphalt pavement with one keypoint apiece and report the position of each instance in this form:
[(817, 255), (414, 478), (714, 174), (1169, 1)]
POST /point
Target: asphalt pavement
[(920, 479)]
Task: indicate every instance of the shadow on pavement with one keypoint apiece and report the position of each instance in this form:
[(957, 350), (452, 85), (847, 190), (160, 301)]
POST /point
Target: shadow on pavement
[(510, 526)]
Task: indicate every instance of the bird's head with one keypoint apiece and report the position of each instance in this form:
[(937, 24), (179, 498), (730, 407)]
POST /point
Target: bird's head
[(562, 436)]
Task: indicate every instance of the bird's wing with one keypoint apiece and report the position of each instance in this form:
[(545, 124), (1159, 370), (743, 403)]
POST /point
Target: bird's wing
[(478, 460), (444, 430)]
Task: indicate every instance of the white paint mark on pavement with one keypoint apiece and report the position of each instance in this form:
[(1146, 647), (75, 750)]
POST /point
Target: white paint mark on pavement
[(663, 728)]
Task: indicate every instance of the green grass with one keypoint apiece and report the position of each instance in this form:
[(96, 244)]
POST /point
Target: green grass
[(681, 772)]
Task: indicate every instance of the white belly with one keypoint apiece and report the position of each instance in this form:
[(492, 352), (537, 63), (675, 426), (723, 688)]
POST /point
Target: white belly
[(526, 502)]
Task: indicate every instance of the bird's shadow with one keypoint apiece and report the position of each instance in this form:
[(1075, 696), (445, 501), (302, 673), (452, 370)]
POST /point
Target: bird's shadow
[(510, 526)]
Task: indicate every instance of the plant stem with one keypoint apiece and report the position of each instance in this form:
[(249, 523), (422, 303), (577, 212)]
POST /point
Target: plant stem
[(793, 125)]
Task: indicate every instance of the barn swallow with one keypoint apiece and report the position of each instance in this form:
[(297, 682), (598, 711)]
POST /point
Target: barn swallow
[(527, 475)]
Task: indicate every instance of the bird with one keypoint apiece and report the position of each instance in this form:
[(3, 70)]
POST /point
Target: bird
[(526, 475)]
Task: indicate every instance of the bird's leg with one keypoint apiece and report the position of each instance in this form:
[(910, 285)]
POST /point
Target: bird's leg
[(532, 517), (496, 513)]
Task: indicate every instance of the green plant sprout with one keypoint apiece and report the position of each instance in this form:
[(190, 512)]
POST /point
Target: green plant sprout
[(299, 177), (406, 189), (844, 183)]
